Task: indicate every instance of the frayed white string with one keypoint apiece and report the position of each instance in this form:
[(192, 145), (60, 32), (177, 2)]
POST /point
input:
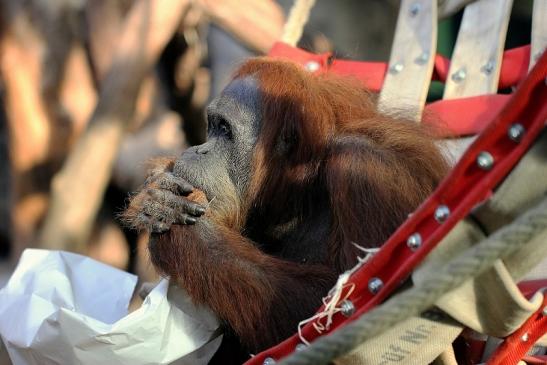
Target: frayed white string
[(333, 299), (369, 253), (210, 202)]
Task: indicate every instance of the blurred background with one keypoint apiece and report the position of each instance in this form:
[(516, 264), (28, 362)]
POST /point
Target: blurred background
[(91, 90)]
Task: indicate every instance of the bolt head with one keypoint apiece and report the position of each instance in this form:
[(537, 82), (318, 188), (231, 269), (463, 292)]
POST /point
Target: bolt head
[(442, 213), (312, 66), (415, 9), (347, 308), (422, 58), (396, 68), (485, 160), (515, 132), (268, 361), (459, 75), (488, 67), (375, 285), (414, 241)]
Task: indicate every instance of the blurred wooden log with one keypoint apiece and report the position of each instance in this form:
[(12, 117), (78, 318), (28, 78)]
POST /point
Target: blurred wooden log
[(77, 95), (44, 38), (104, 20), (29, 135), (5, 184), (163, 137), (21, 72), (258, 23), (108, 245), (450, 7), (78, 188), (191, 88), (144, 268), (198, 102), (44, 110)]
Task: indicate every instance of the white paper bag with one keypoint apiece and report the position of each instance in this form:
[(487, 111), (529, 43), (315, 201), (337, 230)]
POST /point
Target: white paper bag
[(62, 308)]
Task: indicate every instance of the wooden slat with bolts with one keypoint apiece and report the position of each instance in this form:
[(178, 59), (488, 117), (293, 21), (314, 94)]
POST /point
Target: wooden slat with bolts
[(412, 56), (476, 61), (539, 31)]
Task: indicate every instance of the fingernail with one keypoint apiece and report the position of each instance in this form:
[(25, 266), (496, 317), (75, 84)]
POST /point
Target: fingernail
[(200, 210), (190, 220), (186, 188), (153, 192)]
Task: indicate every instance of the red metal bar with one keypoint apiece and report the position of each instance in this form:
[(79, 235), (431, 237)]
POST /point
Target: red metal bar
[(515, 346)]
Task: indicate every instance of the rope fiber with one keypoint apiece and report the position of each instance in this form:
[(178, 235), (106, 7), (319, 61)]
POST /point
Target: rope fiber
[(416, 300), (298, 17)]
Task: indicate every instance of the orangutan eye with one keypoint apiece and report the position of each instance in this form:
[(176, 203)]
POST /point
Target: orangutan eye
[(224, 128), (219, 126)]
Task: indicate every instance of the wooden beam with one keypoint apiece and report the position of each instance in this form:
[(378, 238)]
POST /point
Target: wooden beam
[(476, 61), (450, 7), (539, 31), (411, 61)]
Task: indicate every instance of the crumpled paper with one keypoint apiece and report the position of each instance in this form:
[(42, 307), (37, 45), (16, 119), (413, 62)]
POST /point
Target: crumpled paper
[(62, 308)]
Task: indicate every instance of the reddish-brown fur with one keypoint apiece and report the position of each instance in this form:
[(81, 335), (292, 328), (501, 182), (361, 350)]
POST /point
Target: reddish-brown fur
[(372, 187), (322, 145)]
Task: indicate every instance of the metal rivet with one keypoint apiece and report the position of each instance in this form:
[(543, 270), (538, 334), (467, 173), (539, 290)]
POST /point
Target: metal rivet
[(459, 75), (396, 68), (268, 361), (347, 308), (488, 68), (485, 160), (422, 59), (442, 213), (300, 347), (414, 241), (525, 337), (415, 9), (375, 285), (515, 132), (312, 66)]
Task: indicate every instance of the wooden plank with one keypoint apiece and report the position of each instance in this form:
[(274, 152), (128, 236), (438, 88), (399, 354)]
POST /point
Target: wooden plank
[(412, 55), (539, 31), (476, 60), (450, 7)]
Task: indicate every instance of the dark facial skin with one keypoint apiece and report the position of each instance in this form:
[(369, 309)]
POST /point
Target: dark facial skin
[(221, 167), (223, 163)]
